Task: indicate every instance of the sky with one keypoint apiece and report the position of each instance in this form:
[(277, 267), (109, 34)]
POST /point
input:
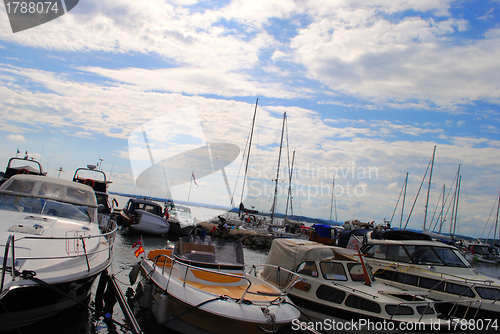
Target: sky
[(369, 88)]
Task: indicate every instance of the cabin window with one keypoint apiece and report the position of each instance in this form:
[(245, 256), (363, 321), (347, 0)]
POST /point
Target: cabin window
[(488, 293), (308, 268), (425, 255), (377, 252), (460, 290), (362, 304), (397, 253), (399, 310), (333, 271), (356, 272), (330, 294), (407, 279), (426, 309), (449, 257), (431, 284)]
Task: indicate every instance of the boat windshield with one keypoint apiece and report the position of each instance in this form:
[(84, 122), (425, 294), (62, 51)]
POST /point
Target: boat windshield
[(419, 254), (46, 207)]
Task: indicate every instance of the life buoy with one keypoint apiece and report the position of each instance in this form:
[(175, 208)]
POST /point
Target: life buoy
[(23, 171), (89, 182)]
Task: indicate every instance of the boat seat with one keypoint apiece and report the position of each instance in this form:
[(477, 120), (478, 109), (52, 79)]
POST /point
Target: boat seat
[(162, 260)]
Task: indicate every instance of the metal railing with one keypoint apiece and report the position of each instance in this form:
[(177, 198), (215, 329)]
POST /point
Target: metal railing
[(278, 296), (451, 313), (11, 241)]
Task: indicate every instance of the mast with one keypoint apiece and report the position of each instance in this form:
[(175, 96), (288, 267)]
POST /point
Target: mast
[(453, 210), (331, 205), (496, 224), (456, 207), (429, 188), (442, 209), (278, 169), (403, 204), (248, 157), (290, 188)]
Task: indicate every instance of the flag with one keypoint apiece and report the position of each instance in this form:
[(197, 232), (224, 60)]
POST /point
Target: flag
[(138, 243), (18, 151), (139, 251), (194, 180)]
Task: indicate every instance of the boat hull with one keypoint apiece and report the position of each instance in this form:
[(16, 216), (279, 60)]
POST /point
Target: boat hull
[(150, 224), (25, 305)]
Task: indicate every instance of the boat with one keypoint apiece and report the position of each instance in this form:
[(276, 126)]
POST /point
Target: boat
[(325, 234), (51, 249), (96, 179), (480, 252), (180, 219), (143, 216), (203, 288), (433, 267), (336, 285), (24, 165)]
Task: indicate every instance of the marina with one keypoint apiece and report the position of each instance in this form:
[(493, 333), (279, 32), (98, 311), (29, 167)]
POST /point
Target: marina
[(199, 277)]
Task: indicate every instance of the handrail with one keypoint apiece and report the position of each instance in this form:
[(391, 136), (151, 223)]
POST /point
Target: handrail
[(433, 302), (11, 241), (452, 276), (242, 298), (291, 283)]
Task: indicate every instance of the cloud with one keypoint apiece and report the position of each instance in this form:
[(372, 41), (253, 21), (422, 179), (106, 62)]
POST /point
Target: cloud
[(19, 138)]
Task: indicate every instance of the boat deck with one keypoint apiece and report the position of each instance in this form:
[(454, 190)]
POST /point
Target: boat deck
[(258, 292)]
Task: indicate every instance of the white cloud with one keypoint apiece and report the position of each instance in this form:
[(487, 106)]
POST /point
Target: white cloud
[(19, 138)]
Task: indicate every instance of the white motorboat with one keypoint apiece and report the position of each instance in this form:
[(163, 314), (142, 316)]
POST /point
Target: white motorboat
[(52, 247), (433, 267), (337, 287), (143, 216), (180, 219), (203, 288)]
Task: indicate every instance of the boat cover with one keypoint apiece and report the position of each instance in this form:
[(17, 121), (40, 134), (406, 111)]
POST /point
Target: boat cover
[(289, 253)]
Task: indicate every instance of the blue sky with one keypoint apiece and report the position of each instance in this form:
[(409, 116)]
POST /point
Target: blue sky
[(367, 86)]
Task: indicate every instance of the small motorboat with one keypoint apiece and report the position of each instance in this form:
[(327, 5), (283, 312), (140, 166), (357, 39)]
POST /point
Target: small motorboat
[(51, 249), (143, 216), (203, 288), (180, 219), (336, 285)]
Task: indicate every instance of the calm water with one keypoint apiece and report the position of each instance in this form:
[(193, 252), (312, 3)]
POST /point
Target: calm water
[(80, 320)]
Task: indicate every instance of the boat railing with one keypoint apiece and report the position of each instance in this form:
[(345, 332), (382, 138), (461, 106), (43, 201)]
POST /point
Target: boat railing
[(78, 241), (172, 261), (481, 280), (291, 281), (451, 313)]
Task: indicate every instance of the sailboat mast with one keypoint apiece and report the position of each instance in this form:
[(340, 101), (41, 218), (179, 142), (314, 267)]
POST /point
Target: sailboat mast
[(442, 209), (248, 157), (429, 188), (278, 170), (496, 224), (331, 204), (456, 207), (403, 203), (289, 197)]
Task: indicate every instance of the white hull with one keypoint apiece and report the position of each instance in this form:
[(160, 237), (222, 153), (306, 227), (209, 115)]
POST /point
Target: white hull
[(150, 224)]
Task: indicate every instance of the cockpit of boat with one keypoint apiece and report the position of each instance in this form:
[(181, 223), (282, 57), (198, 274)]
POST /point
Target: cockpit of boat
[(47, 197), (334, 270)]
